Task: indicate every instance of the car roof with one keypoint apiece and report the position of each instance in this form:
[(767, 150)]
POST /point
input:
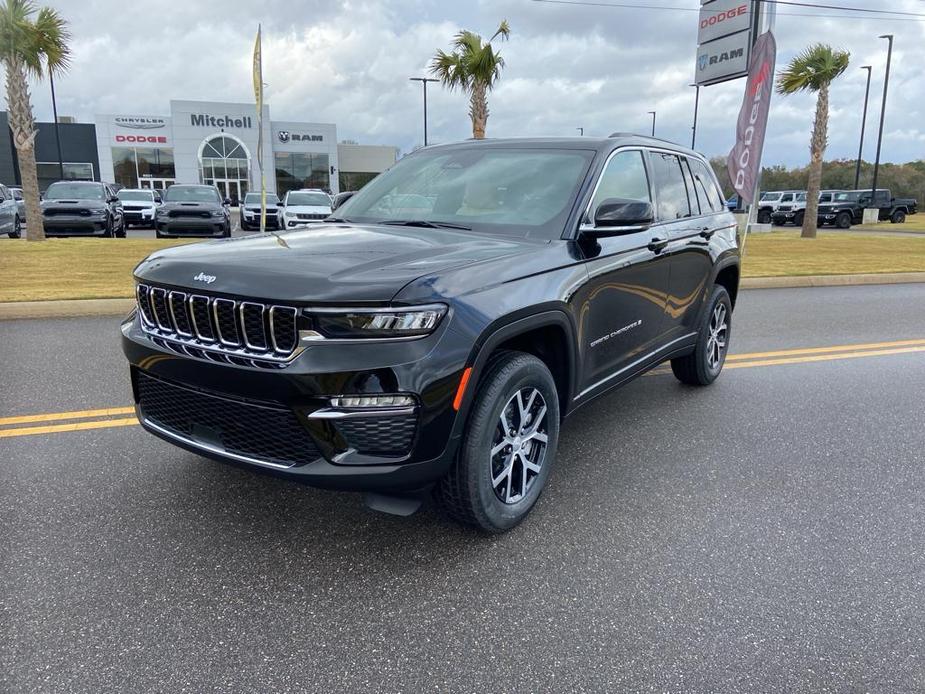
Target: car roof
[(589, 143), (136, 190)]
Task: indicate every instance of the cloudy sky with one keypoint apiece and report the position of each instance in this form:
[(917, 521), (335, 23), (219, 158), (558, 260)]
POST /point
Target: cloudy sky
[(568, 66)]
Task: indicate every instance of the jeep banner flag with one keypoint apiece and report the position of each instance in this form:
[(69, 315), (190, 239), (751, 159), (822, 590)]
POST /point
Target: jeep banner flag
[(258, 97), (744, 162)]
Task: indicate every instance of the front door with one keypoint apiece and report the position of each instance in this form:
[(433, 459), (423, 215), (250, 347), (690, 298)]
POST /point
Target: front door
[(622, 306)]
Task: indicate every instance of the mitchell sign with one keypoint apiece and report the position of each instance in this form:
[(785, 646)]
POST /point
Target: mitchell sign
[(204, 120)]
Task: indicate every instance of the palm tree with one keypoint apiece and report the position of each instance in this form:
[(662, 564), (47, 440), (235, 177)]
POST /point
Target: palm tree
[(474, 67), (814, 70), (27, 47)]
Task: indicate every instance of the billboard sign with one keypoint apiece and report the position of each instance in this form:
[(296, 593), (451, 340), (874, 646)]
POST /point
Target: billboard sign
[(724, 39), (139, 130)]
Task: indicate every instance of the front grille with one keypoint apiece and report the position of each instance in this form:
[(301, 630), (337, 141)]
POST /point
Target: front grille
[(312, 215), (71, 211), (240, 328), (136, 208), (390, 436), (203, 214), (261, 432), (784, 208)]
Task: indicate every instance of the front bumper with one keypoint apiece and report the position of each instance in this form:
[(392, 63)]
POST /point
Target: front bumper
[(781, 218), (138, 216), (76, 225), (281, 419), (181, 226)]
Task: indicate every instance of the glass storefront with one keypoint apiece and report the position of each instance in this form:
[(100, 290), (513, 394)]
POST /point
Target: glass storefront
[(131, 165), (224, 163), (296, 170), (48, 172), (354, 180)]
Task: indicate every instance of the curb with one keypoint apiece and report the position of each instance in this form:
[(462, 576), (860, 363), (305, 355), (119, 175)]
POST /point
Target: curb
[(792, 282), (15, 310), (65, 308)]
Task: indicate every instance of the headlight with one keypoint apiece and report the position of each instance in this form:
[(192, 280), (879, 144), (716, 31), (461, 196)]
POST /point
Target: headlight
[(412, 322), (218, 214)]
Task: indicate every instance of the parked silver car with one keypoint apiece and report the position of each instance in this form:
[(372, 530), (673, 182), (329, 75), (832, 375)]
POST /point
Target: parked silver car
[(12, 211)]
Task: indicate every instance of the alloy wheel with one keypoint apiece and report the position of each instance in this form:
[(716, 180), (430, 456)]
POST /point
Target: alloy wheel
[(716, 342), (518, 448)]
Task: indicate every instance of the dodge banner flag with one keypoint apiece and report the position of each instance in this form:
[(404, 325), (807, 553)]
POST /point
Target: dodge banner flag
[(744, 162)]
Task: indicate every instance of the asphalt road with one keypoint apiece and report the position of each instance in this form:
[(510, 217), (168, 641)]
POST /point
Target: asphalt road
[(764, 534)]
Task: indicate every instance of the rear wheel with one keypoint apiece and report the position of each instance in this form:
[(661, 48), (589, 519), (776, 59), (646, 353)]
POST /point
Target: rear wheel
[(508, 447), (898, 217), (705, 363)]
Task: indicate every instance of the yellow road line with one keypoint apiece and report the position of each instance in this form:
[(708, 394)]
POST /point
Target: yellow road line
[(57, 416), (75, 426), (823, 350), (824, 357)]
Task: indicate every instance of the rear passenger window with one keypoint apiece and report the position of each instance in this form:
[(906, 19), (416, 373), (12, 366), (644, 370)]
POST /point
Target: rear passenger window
[(670, 188), (708, 194), (624, 178)]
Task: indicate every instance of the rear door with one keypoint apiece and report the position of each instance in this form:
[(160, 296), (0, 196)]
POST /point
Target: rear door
[(7, 210), (622, 306)]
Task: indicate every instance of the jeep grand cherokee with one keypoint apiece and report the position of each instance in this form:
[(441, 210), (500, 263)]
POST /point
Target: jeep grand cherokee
[(434, 333)]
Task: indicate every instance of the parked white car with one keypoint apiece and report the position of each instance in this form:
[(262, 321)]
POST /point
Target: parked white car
[(139, 206), (771, 200), (304, 207)]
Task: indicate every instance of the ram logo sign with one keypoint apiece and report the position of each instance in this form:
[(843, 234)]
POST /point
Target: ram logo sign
[(723, 40)]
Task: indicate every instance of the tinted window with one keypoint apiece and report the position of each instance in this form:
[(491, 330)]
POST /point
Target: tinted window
[(786, 197), (193, 194), (709, 195), (135, 195), (17, 194), (670, 188), (314, 199), (624, 178), (254, 199), (74, 191), (518, 190), (4, 193)]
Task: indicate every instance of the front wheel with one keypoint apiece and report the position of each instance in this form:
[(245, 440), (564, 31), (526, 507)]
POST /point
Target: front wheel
[(798, 219), (843, 220), (508, 447), (764, 217), (705, 363), (17, 229)]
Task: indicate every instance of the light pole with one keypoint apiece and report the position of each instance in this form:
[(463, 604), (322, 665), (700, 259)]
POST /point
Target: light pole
[(652, 113), (857, 169), (886, 84), (581, 131), (54, 110), (696, 108), (424, 81)]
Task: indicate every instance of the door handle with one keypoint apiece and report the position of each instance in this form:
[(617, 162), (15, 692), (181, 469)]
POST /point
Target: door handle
[(656, 244)]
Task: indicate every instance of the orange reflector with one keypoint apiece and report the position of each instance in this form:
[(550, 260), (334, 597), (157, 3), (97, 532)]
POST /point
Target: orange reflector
[(457, 401)]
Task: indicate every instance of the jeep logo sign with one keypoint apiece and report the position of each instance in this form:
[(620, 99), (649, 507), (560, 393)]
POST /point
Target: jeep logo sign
[(202, 277)]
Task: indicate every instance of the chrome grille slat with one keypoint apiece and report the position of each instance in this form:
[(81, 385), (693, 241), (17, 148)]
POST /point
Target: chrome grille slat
[(219, 329)]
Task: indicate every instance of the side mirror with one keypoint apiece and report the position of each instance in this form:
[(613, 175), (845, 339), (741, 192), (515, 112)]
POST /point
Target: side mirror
[(613, 215), (114, 198), (340, 200), (226, 202), (280, 204)]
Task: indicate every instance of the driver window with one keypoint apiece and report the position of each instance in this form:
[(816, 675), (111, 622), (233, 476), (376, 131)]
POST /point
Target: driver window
[(624, 179)]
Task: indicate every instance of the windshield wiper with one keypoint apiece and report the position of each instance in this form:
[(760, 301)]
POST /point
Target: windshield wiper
[(423, 223), (337, 220)]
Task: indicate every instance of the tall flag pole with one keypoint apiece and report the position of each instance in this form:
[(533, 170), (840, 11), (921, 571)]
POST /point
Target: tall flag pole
[(258, 96)]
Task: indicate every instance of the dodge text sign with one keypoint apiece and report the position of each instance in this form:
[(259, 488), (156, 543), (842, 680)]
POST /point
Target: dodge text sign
[(744, 160), (723, 17)]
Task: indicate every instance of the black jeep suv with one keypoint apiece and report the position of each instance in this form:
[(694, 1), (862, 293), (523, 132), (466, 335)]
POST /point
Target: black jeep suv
[(82, 208), (193, 210), (434, 333)]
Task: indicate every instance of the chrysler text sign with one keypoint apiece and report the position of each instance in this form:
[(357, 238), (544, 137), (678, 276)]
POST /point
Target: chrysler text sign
[(745, 158), (721, 18), (139, 131)]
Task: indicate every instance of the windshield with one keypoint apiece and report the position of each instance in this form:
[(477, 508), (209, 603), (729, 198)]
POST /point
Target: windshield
[(801, 197), (145, 195), (313, 199), (192, 194), (770, 197), (254, 199), (74, 191), (511, 190)]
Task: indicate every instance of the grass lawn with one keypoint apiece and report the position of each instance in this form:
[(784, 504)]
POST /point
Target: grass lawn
[(102, 268), (71, 268), (783, 253), (914, 223)]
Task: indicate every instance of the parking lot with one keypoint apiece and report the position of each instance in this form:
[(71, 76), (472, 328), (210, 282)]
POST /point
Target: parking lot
[(760, 535)]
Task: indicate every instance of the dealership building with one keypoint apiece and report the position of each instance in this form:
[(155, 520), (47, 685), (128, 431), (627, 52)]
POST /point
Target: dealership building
[(205, 142)]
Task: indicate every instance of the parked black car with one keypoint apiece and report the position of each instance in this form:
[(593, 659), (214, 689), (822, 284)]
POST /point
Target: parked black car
[(341, 198), (848, 207), (193, 210), (396, 354), (82, 208), (250, 212)]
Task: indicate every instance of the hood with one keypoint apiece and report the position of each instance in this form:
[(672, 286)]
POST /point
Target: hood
[(75, 203), (326, 264), (194, 206), (137, 203), (307, 209)]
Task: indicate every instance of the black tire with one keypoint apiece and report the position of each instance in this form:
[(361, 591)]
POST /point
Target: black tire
[(17, 229), (467, 492), (698, 367), (764, 217), (898, 217), (798, 219), (843, 220), (123, 230), (109, 231)]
